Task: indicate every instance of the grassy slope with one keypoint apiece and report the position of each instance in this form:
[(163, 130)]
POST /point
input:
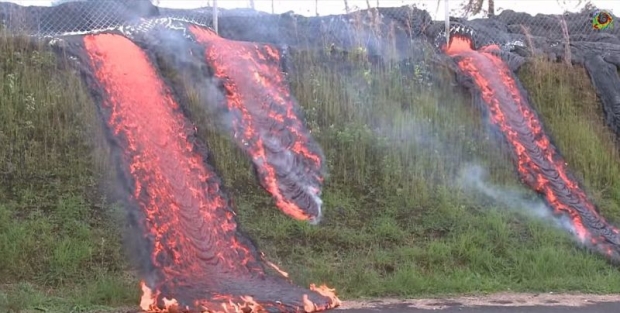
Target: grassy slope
[(55, 228), (396, 222)]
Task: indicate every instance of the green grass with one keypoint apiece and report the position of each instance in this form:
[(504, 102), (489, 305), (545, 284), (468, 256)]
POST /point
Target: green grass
[(57, 232), (396, 222)]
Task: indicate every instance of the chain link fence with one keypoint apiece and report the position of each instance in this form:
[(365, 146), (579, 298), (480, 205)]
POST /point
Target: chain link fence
[(83, 16)]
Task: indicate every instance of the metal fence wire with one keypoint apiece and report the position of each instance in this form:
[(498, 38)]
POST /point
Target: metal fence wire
[(83, 16)]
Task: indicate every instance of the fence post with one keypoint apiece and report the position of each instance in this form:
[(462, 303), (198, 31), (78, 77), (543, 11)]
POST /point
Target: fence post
[(215, 16), (447, 21)]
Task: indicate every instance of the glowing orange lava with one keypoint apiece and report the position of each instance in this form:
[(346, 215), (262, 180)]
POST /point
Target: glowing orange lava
[(198, 257), (265, 123), (538, 162)]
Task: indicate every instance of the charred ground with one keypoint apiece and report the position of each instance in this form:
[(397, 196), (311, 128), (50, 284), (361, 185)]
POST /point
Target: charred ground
[(395, 223)]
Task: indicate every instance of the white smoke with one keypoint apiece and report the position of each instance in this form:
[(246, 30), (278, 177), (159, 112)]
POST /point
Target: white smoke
[(471, 178), (213, 101), (178, 51), (474, 178)]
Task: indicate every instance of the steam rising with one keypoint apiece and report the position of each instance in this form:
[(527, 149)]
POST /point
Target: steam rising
[(538, 162), (197, 256), (474, 178), (243, 86)]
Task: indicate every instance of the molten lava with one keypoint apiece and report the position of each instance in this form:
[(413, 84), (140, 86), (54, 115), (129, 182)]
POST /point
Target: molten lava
[(265, 122), (199, 260), (538, 162)]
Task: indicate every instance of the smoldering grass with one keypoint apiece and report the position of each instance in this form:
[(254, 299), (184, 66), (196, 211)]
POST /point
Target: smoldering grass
[(474, 178), (394, 222)]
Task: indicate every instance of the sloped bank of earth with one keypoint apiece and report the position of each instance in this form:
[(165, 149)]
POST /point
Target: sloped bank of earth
[(332, 239)]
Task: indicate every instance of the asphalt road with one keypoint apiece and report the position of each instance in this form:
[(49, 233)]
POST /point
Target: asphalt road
[(605, 307)]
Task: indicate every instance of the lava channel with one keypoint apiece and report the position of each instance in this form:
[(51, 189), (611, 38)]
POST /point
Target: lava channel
[(538, 162), (199, 260), (265, 124)]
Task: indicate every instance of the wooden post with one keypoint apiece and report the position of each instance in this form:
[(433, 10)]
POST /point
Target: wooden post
[(215, 16), (447, 21)]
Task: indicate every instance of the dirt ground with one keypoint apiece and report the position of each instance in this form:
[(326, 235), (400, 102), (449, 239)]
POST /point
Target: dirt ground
[(494, 300), (498, 300)]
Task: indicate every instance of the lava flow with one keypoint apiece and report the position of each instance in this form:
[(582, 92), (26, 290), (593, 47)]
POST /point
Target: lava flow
[(538, 162), (265, 124), (199, 260)]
